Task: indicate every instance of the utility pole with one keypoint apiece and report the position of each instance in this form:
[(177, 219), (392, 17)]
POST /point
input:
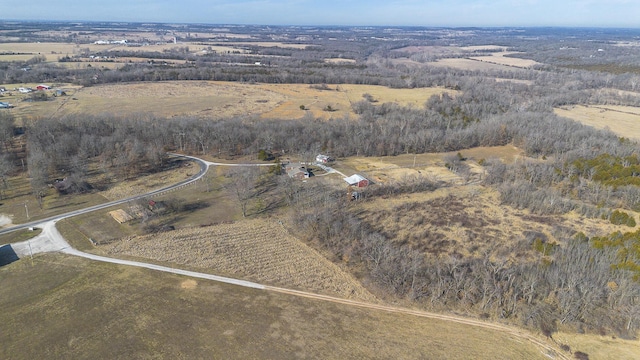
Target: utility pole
[(26, 209)]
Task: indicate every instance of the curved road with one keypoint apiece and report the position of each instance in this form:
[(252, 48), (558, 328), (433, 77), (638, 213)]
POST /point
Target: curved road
[(50, 240)]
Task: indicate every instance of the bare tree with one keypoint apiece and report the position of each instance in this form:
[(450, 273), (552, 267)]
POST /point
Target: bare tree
[(243, 181)]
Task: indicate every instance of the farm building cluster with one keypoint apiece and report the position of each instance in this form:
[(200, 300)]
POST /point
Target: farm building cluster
[(301, 171)]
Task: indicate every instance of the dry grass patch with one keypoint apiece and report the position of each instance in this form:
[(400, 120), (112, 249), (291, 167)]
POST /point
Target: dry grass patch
[(212, 99), (622, 120), (501, 58), (167, 99), (130, 313), (468, 64), (471, 221), (340, 98), (146, 183), (339, 61), (600, 347), (259, 250), (396, 168)]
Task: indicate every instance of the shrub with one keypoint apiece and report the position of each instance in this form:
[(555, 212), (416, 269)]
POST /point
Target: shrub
[(622, 218), (580, 355)]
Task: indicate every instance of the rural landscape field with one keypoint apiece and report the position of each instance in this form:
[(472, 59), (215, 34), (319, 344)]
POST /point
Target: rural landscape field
[(318, 192)]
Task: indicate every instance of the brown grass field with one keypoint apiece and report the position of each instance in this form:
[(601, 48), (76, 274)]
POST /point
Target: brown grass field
[(209, 99), (14, 51), (493, 61), (501, 58), (257, 250), (468, 64), (622, 120), (74, 308), (461, 217), (135, 313)]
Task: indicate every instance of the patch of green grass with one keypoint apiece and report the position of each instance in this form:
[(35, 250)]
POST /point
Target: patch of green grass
[(97, 226), (19, 236), (76, 308)]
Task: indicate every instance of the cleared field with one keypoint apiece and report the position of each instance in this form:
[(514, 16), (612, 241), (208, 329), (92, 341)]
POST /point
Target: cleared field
[(341, 98), (209, 99), (53, 51), (395, 168), (74, 308), (200, 99), (622, 120), (468, 64), (469, 221), (269, 44), (501, 58), (461, 217), (484, 48), (259, 250), (601, 347), (339, 61)]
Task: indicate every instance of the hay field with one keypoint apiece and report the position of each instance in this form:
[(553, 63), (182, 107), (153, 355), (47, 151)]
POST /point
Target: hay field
[(501, 58), (340, 98), (167, 99), (468, 64), (133, 313), (600, 347), (211, 99), (339, 61), (622, 120), (259, 250)]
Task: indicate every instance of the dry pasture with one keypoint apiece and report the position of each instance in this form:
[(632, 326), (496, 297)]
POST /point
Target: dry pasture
[(468, 64), (621, 120), (461, 217), (213, 99), (501, 58), (395, 168), (469, 220), (129, 312)]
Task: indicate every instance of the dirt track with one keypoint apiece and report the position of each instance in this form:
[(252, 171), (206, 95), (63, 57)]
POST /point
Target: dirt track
[(50, 240)]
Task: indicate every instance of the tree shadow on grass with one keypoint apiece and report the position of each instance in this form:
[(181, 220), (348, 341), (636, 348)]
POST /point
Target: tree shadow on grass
[(7, 255)]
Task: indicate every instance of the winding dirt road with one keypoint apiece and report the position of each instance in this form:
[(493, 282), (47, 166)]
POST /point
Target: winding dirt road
[(50, 240)]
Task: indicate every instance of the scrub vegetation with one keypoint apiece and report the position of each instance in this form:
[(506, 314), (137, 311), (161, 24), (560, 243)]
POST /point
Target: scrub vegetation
[(485, 200)]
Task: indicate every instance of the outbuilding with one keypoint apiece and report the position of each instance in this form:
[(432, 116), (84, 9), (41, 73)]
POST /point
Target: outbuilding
[(323, 159), (357, 181)]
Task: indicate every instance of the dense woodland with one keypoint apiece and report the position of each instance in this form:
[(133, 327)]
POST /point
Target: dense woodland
[(590, 284)]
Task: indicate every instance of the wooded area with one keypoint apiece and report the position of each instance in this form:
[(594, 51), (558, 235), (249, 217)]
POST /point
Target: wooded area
[(588, 284)]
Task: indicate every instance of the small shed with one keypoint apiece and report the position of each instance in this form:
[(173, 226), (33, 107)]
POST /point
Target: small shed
[(357, 181), (323, 159)]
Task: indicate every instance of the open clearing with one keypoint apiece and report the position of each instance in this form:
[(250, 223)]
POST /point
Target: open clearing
[(600, 347), (461, 217), (622, 120), (501, 58), (256, 250), (137, 313), (209, 99), (468, 64)]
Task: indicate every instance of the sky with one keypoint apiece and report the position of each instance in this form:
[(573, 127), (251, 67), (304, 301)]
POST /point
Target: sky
[(455, 13)]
